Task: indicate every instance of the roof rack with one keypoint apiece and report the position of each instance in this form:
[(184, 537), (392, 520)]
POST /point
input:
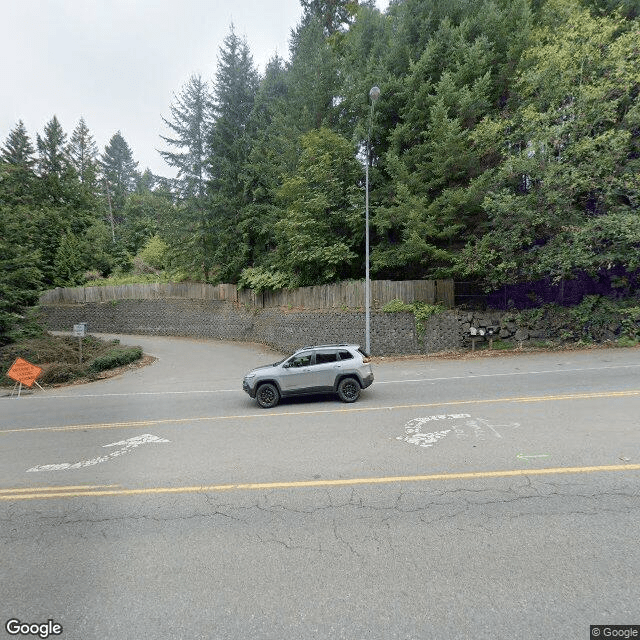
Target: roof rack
[(328, 346)]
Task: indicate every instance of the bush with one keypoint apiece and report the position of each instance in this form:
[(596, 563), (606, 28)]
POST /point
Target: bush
[(132, 278), (92, 275), (115, 358), (61, 372), (154, 253), (263, 279)]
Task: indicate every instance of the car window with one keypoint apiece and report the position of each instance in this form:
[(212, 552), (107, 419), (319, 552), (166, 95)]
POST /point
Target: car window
[(323, 357), (301, 360), (345, 355)]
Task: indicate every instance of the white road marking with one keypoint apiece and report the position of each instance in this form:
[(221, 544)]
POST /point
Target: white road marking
[(521, 456), (509, 373), (458, 421), (136, 393), (127, 445), (238, 389)]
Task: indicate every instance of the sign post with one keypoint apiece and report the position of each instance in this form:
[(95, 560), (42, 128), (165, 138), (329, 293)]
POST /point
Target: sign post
[(79, 331), (23, 372)]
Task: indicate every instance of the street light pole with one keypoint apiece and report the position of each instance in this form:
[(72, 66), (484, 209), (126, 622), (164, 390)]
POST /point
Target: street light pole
[(374, 94)]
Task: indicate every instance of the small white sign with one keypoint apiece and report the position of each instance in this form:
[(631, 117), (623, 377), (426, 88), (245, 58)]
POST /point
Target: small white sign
[(79, 330)]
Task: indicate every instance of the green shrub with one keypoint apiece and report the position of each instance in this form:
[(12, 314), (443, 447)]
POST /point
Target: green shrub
[(263, 279), (154, 253), (631, 322), (115, 358), (132, 278), (60, 372), (626, 341), (397, 306)]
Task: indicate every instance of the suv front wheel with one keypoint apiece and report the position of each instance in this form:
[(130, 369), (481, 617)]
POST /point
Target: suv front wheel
[(348, 390), (267, 395)]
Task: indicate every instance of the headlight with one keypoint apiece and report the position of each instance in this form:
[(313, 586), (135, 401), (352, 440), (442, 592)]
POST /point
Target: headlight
[(250, 375)]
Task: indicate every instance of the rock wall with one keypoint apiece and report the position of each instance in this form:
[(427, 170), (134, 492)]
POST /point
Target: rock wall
[(391, 333)]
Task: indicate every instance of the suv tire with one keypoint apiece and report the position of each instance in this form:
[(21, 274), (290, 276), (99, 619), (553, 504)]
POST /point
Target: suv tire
[(348, 390), (267, 395)]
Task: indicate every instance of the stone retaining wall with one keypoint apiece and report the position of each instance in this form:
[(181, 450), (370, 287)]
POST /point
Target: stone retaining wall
[(391, 333)]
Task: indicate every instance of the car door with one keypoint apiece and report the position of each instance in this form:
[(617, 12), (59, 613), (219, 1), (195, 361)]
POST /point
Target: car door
[(325, 369), (296, 373)]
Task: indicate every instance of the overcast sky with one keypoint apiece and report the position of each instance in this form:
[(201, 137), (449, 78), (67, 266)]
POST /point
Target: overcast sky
[(118, 63)]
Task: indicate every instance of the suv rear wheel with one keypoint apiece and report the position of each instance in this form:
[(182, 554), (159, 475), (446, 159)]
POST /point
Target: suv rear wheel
[(267, 395), (348, 390)]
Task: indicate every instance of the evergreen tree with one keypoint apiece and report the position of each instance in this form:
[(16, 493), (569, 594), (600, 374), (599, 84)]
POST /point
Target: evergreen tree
[(53, 159), (82, 152), (18, 150), (189, 123), (16, 168), (566, 194), (333, 15), (273, 156), (229, 145), (437, 161), (233, 97), (312, 75), (321, 236), (145, 182), (119, 172), (21, 279), (59, 184), (67, 264)]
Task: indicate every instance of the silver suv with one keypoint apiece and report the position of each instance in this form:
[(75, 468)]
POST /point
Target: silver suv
[(333, 368)]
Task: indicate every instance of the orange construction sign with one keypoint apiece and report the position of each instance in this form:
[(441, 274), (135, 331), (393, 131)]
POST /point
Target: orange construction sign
[(24, 372)]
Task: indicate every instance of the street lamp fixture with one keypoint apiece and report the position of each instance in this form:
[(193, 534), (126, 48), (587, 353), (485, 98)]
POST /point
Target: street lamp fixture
[(374, 94)]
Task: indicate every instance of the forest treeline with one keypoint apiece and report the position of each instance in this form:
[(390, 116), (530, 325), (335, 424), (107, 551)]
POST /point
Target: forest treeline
[(504, 147)]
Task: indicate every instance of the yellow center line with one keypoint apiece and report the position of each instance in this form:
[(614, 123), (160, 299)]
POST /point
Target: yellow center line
[(80, 487), (284, 414), (41, 494)]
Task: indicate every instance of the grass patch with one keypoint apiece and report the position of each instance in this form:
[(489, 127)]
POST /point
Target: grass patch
[(59, 357), (626, 341)]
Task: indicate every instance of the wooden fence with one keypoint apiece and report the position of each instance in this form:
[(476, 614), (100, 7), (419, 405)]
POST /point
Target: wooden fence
[(343, 295)]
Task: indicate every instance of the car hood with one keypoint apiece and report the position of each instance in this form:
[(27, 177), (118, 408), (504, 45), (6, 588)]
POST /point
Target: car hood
[(261, 369)]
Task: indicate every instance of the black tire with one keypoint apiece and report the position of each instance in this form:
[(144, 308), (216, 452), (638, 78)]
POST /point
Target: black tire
[(348, 390), (268, 395)]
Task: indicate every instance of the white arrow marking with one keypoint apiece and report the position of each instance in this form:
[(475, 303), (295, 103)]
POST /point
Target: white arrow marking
[(127, 445), (540, 455)]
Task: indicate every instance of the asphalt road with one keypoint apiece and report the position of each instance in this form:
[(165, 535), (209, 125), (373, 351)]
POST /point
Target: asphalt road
[(472, 498)]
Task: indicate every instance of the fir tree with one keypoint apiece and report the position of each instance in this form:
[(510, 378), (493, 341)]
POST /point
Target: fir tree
[(16, 168), (18, 150), (53, 159), (189, 123), (229, 147), (119, 171), (82, 152)]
